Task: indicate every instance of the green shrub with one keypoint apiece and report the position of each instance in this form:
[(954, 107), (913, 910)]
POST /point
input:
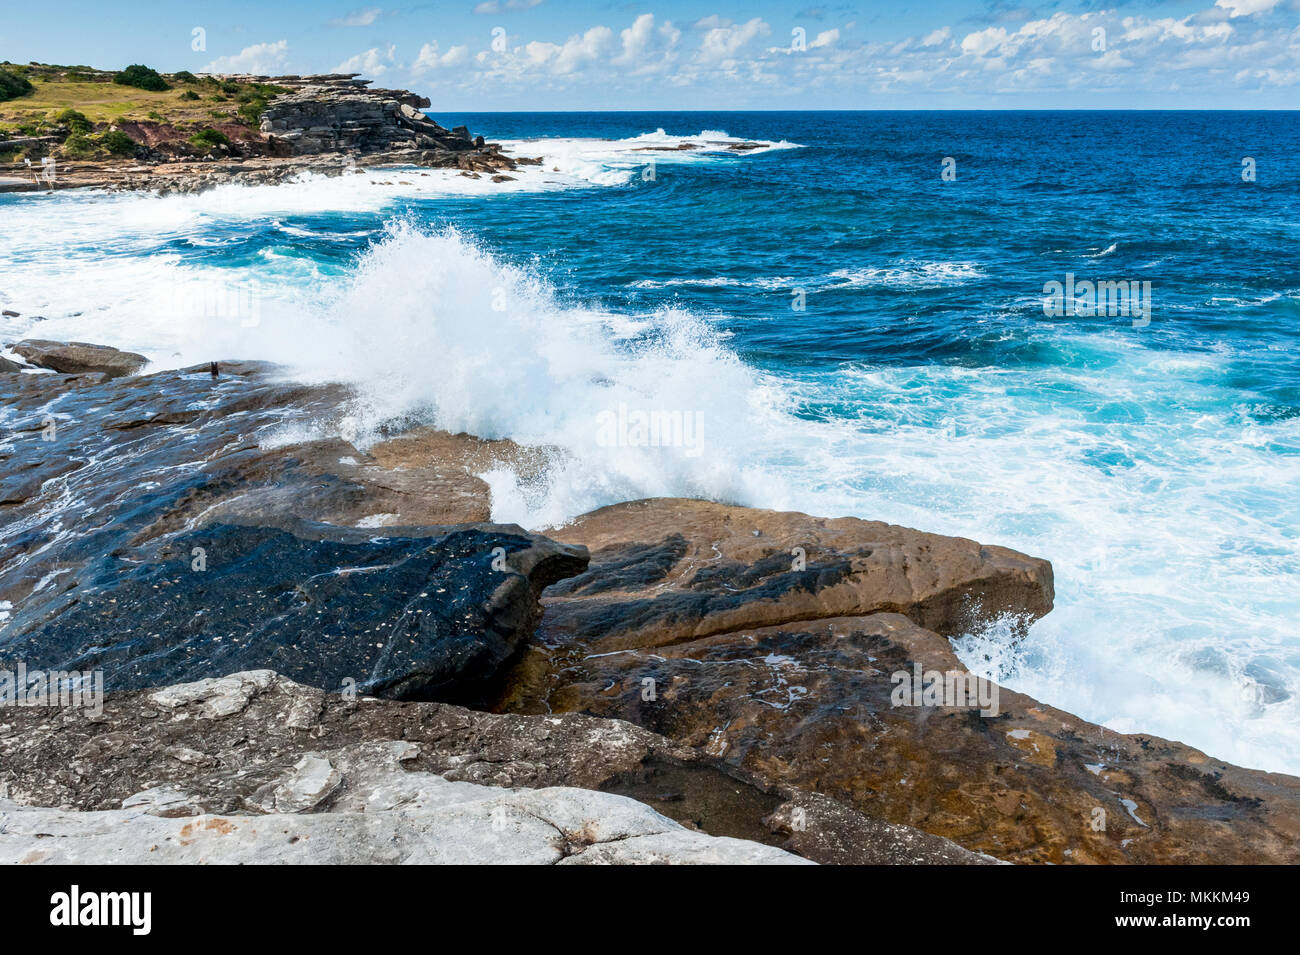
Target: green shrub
[(229, 86), (118, 143), (78, 145), (253, 99), (141, 77), (13, 86), (189, 94), (251, 111), (185, 76), (74, 120), (209, 139)]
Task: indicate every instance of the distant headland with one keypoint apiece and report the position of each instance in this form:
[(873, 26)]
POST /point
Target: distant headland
[(66, 127)]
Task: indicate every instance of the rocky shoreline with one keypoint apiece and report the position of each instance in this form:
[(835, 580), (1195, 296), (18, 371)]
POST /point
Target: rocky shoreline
[(325, 125), (315, 652)]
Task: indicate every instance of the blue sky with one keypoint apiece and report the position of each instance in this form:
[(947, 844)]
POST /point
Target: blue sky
[(708, 54)]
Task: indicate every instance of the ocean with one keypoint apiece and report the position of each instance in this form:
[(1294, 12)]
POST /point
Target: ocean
[(849, 318)]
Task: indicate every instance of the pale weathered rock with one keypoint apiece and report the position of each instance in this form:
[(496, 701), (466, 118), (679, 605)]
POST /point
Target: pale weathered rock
[(258, 743), (472, 825)]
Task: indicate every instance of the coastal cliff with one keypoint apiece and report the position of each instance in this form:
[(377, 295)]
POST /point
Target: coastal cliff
[(265, 129), (734, 670)]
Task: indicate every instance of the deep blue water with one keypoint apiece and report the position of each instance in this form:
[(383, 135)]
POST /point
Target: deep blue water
[(921, 382)]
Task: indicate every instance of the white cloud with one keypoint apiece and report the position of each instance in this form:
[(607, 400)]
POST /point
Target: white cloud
[(984, 41), (937, 37), (1245, 8), (430, 58), (645, 47), (723, 40), (263, 58), (362, 18), (825, 38), (1074, 53), (373, 62), (576, 51)]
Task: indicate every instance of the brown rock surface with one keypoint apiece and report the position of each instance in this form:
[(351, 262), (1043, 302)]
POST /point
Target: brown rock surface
[(674, 569), (787, 674), (79, 357)]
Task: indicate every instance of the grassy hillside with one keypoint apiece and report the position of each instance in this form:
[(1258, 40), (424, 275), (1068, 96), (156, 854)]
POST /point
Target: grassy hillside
[(188, 105)]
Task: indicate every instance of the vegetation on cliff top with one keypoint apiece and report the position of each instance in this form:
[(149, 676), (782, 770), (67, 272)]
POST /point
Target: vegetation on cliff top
[(77, 108), (13, 85), (141, 77)]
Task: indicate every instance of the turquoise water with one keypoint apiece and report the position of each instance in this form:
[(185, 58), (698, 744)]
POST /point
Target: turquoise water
[(853, 334)]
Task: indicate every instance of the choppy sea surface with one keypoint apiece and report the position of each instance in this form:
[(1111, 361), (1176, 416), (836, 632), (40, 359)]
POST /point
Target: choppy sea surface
[(850, 332)]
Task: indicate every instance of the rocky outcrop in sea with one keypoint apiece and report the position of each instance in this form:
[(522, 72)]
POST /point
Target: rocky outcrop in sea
[(315, 652)]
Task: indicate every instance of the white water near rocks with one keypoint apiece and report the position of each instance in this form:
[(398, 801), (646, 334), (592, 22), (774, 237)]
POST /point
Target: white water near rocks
[(1176, 601)]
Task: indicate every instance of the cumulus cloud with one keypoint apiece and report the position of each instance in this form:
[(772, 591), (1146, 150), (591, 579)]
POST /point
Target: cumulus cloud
[(373, 62), (647, 47), (264, 58), (723, 40), (1096, 51), (578, 50), (431, 58)]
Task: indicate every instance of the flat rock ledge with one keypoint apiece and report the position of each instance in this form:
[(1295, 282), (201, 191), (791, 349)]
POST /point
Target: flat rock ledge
[(76, 358), (254, 768)]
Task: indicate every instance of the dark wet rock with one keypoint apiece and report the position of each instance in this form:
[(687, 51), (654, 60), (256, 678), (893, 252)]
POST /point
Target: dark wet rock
[(110, 485), (77, 357), (256, 743), (433, 614), (692, 622), (9, 366)]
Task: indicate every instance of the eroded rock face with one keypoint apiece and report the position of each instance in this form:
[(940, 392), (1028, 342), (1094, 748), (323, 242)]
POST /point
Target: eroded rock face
[(273, 759), (671, 569), (689, 623), (348, 117), (79, 357), (148, 531)]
